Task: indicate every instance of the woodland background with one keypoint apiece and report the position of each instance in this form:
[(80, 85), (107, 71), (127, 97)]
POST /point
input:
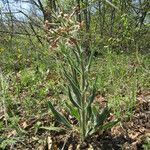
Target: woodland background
[(118, 31)]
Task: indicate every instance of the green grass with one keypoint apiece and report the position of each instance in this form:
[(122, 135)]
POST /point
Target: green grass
[(121, 77), (33, 77)]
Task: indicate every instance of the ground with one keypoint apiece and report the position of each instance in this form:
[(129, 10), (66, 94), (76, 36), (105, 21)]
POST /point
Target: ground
[(129, 134)]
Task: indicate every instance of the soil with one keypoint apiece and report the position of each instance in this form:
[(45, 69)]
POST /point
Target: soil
[(129, 134)]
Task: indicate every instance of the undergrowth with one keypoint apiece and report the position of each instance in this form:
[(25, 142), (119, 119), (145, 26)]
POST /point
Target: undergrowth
[(36, 79)]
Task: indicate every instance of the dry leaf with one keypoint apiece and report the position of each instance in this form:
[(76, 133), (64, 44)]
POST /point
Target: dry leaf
[(24, 124)]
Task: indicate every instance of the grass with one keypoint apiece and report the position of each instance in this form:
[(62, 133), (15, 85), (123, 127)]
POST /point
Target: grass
[(121, 78), (32, 77)]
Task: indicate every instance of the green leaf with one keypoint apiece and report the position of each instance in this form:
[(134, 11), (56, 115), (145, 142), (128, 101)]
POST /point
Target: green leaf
[(89, 113), (7, 142), (102, 116), (72, 64), (58, 116), (74, 87), (74, 112), (58, 129), (90, 61), (109, 124), (90, 100), (92, 96), (74, 102), (77, 56), (95, 112), (75, 76)]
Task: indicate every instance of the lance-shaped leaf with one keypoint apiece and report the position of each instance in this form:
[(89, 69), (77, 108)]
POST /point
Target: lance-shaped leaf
[(58, 116), (75, 70), (74, 87), (72, 64), (74, 111), (92, 96), (89, 61), (90, 99), (76, 55), (109, 124), (102, 116), (99, 120), (74, 102), (89, 113), (75, 76)]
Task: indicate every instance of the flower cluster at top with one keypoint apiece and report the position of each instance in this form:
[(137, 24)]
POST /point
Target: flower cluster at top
[(65, 30)]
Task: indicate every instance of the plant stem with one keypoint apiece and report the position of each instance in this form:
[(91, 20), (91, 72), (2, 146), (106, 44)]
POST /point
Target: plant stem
[(83, 117), (83, 103)]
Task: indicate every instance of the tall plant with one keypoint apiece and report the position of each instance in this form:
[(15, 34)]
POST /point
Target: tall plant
[(80, 93)]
